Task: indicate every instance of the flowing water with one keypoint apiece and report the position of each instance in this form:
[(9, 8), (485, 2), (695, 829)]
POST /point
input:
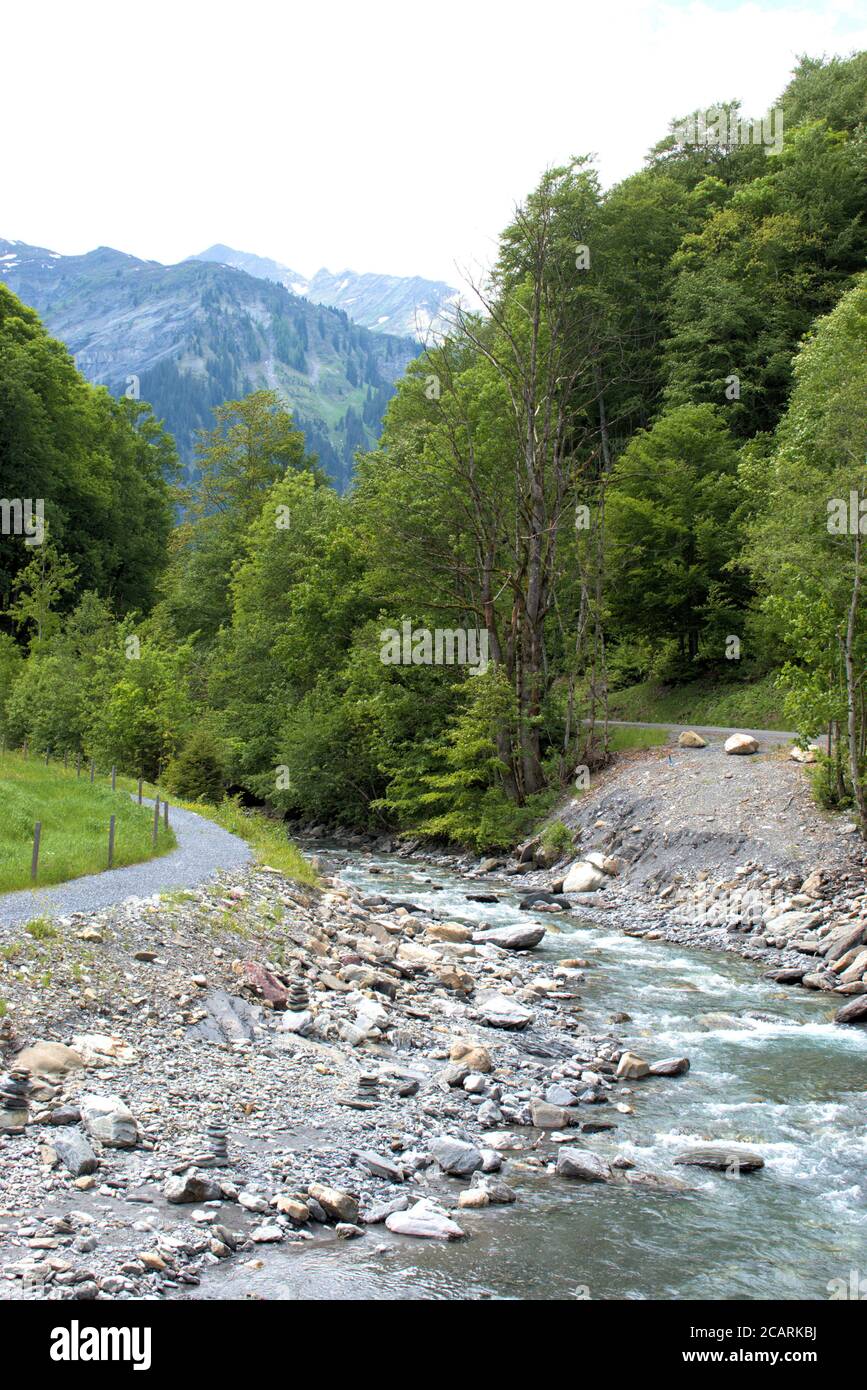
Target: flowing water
[(789, 1083)]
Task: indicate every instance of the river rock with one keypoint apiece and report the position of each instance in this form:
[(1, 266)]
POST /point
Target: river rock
[(547, 1116), (378, 1214), (499, 1192), (582, 1165), (382, 1167), (300, 1023), (542, 901), (843, 940), (267, 1234), (690, 739), (472, 1054), (511, 938), (191, 1187), (49, 1059), (74, 1152), (265, 985), (489, 1114), (448, 931), (853, 1012), (583, 877), (559, 1095), (339, 1205), (107, 1119), (631, 1067), (722, 1156), (474, 1197), (670, 1066), (426, 1221), (502, 1011), (741, 744), (455, 1156)]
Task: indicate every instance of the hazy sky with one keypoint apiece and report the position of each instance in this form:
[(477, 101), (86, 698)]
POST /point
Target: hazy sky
[(386, 135)]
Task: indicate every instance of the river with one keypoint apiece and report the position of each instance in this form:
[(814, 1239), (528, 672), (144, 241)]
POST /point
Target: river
[(788, 1082)]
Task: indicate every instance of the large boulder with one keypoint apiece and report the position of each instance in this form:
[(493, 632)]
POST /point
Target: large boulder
[(518, 938), (340, 1206), (547, 1116), (194, 1186), (503, 1011), (722, 1157), (741, 744), (472, 1054), (853, 1012), (583, 877), (108, 1119), (631, 1067), (690, 739), (49, 1059), (425, 1220), (456, 1157), (583, 1166)]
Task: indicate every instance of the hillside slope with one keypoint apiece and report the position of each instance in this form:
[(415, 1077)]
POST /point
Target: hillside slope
[(196, 334)]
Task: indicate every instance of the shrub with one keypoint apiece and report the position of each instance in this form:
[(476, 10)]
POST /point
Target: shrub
[(557, 838), (196, 774)]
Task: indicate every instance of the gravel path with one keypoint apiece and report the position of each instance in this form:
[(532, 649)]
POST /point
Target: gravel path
[(709, 730), (203, 850)]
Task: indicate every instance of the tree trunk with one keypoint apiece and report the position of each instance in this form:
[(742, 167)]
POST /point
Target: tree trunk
[(858, 788)]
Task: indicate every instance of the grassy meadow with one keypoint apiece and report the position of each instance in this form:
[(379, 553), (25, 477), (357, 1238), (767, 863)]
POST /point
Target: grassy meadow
[(75, 818)]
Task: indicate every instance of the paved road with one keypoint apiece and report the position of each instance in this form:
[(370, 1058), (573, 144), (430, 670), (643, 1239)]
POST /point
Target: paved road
[(203, 850)]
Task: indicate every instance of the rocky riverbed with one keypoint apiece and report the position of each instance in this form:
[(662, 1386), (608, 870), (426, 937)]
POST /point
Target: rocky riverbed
[(371, 1065), (230, 1078)]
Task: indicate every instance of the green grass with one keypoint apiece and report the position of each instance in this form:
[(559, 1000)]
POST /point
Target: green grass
[(730, 704), (621, 740), (266, 837), (75, 818)]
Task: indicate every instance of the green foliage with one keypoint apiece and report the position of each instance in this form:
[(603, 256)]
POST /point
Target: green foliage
[(673, 528), (196, 772), (102, 468), (557, 838)]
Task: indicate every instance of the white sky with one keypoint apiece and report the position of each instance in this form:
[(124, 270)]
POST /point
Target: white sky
[(385, 135)]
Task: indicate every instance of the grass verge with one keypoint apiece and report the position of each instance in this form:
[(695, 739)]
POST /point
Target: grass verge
[(75, 818), (731, 704)]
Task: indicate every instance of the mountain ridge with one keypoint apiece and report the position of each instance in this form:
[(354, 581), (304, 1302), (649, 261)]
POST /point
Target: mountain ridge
[(191, 335), (406, 305)]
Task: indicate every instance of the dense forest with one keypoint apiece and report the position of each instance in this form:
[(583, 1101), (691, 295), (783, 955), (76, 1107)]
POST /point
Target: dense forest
[(643, 457)]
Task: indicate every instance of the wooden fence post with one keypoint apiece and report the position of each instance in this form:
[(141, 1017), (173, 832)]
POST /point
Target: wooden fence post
[(114, 779), (47, 755), (78, 764), (139, 791), (156, 819), (166, 814), (34, 863), (92, 769), (111, 842)]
